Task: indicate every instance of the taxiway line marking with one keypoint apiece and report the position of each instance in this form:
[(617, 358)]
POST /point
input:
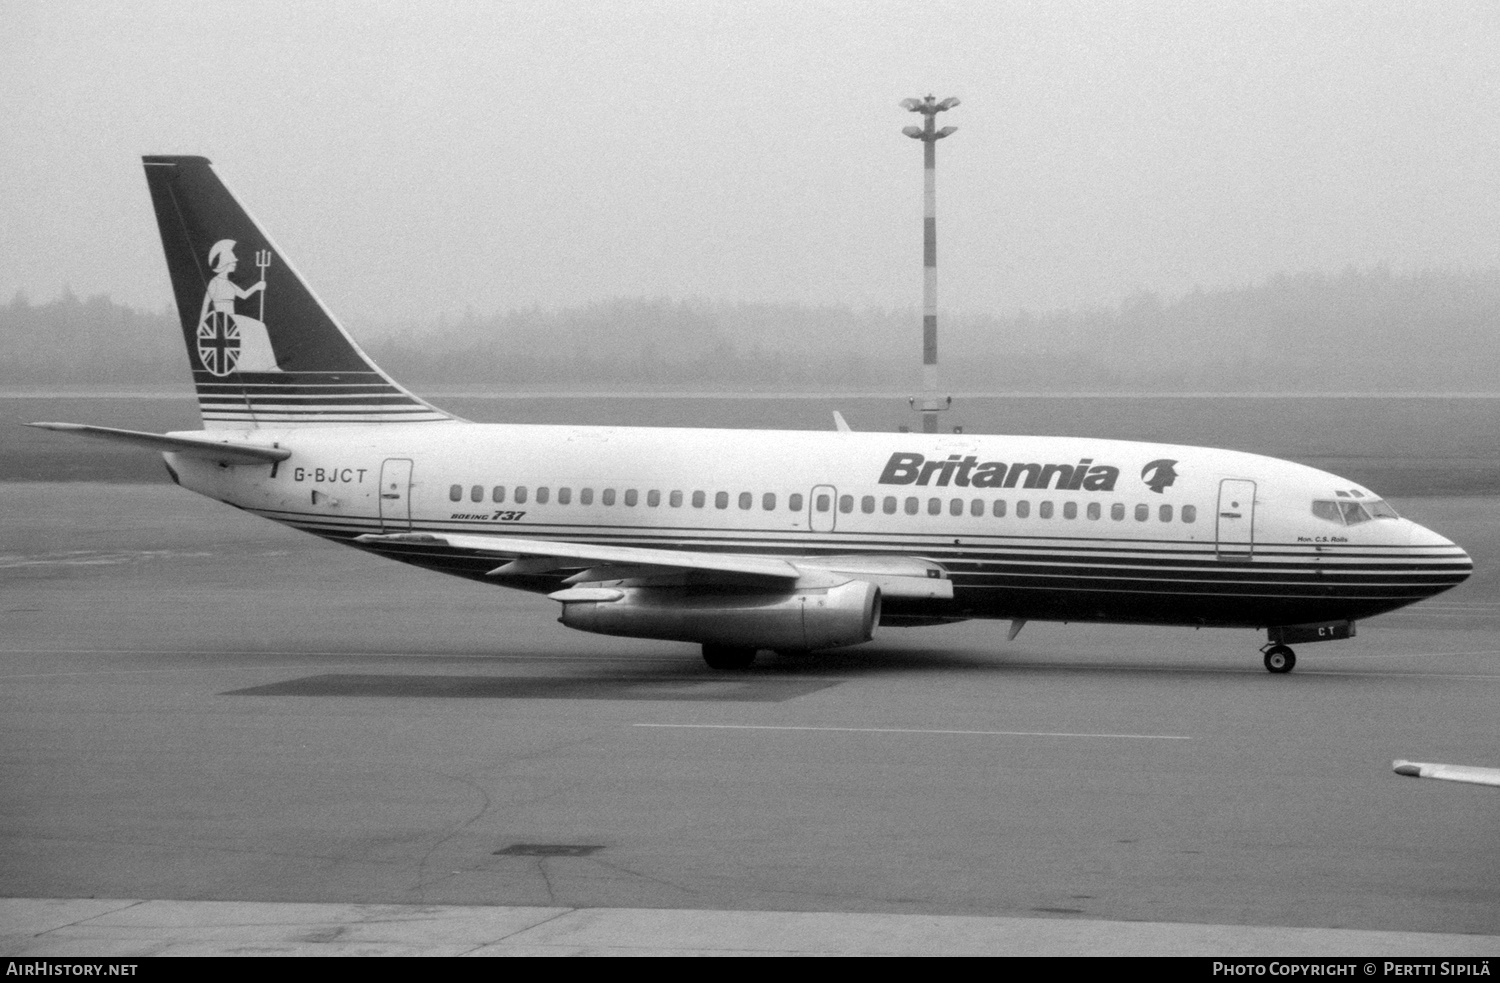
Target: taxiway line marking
[(920, 730)]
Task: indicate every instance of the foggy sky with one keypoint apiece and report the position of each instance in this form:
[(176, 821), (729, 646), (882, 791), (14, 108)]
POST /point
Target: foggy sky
[(414, 158)]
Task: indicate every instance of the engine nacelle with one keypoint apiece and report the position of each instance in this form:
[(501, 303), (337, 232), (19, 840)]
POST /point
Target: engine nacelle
[(819, 618)]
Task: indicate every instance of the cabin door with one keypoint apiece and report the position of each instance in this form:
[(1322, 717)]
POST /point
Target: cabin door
[(822, 508), (395, 495), (1236, 520)]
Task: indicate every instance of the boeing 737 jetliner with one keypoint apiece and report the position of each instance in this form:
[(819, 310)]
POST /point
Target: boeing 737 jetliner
[(742, 540)]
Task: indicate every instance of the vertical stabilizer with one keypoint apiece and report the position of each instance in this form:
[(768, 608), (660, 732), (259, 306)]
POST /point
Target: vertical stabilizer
[(264, 350)]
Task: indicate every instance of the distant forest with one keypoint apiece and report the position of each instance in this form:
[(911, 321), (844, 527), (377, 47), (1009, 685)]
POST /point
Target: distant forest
[(1362, 330)]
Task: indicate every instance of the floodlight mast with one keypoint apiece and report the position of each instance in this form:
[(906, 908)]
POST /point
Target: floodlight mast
[(929, 134)]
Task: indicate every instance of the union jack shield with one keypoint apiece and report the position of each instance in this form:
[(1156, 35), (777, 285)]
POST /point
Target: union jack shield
[(219, 343)]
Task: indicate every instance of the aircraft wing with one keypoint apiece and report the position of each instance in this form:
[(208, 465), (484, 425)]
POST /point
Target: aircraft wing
[(1452, 773), (896, 576), (207, 448)]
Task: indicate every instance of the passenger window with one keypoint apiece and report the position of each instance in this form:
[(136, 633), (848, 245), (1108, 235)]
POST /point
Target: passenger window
[(999, 509), (888, 505), (1070, 510), (607, 497), (1094, 511), (746, 500), (497, 494), (1117, 511), (456, 493), (564, 496), (653, 498), (476, 494), (699, 499), (675, 500), (867, 504), (934, 506), (1045, 511), (768, 501), (1142, 513), (911, 506), (520, 494), (794, 502), (976, 507), (585, 496), (542, 494), (721, 500), (1023, 509), (631, 497), (822, 503), (955, 506), (1166, 513), (846, 504), (1190, 513)]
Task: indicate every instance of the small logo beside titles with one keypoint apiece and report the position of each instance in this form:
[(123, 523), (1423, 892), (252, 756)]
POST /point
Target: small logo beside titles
[(1159, 474), (969, 472), (229, 341)]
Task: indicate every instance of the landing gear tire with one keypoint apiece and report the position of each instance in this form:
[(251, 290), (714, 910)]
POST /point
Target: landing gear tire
[(727, 657), (1280, 658)]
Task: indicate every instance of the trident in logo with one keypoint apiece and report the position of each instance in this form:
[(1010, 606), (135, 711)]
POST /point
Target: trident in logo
[(263, 260)]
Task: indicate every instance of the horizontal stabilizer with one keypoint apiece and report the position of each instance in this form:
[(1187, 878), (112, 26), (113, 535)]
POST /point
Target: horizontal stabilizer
[(1451, 773), (206, 448)]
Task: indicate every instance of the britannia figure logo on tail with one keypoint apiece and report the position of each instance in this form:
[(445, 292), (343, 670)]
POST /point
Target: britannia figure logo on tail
[(227, 340)]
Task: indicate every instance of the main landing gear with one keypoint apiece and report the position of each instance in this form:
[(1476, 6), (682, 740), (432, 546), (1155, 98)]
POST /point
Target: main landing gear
[(1279, 658), (727, 657)]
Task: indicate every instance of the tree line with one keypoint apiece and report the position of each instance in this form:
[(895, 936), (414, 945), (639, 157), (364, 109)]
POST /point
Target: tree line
[(1360, 330)]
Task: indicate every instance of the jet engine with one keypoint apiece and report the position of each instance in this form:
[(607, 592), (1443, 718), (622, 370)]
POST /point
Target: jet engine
[(748, 618)]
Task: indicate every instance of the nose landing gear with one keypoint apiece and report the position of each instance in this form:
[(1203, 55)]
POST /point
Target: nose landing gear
[(1279, 658)]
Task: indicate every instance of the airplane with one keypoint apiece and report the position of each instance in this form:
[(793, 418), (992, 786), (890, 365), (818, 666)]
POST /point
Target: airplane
[(1471, 774), (747, 540)]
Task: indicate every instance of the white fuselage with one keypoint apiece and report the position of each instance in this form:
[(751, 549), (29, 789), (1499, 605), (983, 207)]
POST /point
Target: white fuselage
[(1048, 528)]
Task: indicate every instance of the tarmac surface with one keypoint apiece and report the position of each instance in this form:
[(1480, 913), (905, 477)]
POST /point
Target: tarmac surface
[(199, 706)]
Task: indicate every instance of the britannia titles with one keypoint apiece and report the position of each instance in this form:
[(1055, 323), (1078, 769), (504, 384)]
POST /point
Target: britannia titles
[(968, 472)]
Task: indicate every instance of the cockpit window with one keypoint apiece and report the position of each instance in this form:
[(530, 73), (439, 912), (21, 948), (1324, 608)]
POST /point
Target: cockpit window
[(1354, 513), (1328, 510), (1347, 513)]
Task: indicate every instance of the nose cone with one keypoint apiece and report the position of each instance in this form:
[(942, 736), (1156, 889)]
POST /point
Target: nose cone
[(1448, 563), (1420, 535)]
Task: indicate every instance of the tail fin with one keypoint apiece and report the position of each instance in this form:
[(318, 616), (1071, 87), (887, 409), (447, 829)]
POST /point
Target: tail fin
[(265, 351)]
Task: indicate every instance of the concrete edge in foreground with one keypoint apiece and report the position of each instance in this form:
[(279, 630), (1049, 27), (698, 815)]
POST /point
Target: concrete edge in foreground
[(120, 928)]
